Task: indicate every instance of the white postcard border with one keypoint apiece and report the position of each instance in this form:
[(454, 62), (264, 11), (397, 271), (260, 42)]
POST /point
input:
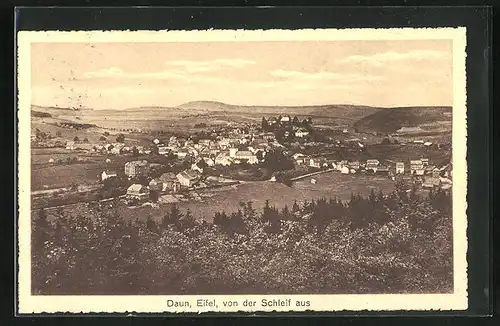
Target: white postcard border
[(29, 303)]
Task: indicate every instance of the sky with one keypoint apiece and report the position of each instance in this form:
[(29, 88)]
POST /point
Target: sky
[(127, 75)]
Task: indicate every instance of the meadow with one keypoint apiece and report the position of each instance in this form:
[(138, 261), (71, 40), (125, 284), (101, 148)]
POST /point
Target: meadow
[(229, 198)]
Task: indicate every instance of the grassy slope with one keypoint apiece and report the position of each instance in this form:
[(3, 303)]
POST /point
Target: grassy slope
[(390, 120)]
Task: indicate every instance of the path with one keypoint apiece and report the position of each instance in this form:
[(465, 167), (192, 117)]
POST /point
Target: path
[(311, 174)]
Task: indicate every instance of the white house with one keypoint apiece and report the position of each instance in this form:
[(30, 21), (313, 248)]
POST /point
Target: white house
[(285, 119), (223, 159), (209, 161), (417, 167), (181, 154), (188, 178), (137, 191), (301, 133), (108, 174), (400, 168), (244, 155), (70, 145), (163, 150), (169, 182), (156, 141), (372, 165), (344, 170)]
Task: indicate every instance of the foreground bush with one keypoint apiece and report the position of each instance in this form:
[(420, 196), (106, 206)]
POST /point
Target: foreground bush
[(396, 243)]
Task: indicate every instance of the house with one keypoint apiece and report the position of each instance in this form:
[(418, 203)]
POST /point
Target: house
[(427, 144), (344, 170), (301, 133), (108, 174), (169, 182), (372, 165), (299, 158), (269, 136), (341, 164), (316, 162), (353, 165), (285, 119), (209, 161), (436, 173), (137, 191), (204, 142), (382, 170), (425, 161), (431, 182), (182, 154), (232, 152), (70, 145), (253, 160), (163, 150), (418, 141), (223, 159), (400, 168), (417, 166), (188, 178), (156, 141), (244, 155), (136, 168)]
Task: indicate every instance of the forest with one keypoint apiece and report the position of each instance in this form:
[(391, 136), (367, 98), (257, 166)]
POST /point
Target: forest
[(400, 242)]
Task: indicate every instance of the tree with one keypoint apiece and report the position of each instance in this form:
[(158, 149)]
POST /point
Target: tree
[(106, 133), (86, 140), (135, 151), (264, 124), (102, 138), (120, 138), (151, 224), (385, 141), (58, 134), (295, 121), (76, 138), (173, 217), (153, 196), (187, 221)]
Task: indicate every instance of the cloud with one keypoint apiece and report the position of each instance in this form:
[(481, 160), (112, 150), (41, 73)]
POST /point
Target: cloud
[(119, 73), (212, 65), (324, 76), (381, 58)]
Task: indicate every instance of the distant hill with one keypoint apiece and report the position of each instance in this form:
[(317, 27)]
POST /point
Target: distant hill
[(54, 108), (391, 119), (337, 111), (39, 114)]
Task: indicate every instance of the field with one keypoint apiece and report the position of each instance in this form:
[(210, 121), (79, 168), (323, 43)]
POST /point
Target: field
[(45, 175), (228, 198)]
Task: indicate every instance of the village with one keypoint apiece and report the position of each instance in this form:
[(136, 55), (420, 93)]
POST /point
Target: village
[(280, 149)]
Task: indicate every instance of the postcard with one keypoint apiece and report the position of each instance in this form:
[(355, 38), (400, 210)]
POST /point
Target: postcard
[(242, 171)]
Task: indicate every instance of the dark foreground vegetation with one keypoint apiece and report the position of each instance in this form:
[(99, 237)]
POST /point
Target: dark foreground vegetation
[(393, 243)]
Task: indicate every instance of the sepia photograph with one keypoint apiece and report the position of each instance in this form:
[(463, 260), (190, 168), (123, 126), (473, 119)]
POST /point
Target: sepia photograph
[(242, 170)]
